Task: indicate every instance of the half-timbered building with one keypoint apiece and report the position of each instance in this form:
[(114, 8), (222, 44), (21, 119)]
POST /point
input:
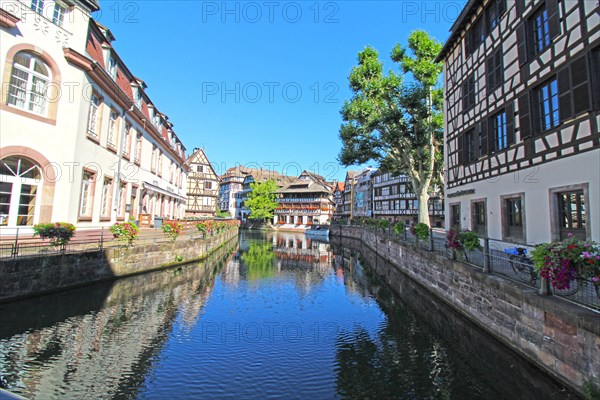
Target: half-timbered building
[(308, 200), (394, 200), (202, 186), (522, 100)]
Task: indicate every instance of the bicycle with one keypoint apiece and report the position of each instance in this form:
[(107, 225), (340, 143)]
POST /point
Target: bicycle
[(521, 263)]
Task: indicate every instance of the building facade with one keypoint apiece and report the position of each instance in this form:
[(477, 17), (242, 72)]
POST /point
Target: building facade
[(81, 140), (306, 201), (394, 200), (232, 182), (338, 200), (257, 175), (522, 101), (202, 186)]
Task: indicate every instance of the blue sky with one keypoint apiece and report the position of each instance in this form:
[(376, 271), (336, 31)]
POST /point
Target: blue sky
[(261, 83)]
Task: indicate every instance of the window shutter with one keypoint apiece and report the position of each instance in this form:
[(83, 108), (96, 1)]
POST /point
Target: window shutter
[(499, 78), (510, 123), (483, 137), (524, 116), (489, 76), (492, 134), (520, 6), (553, 21), (522, 42), (594, 82), (535, 111), (564, 94), (460, 141), (502, 6), (580, 85)]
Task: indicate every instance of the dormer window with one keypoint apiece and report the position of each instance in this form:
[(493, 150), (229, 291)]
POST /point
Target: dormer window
[(137, 96), (112, 67)]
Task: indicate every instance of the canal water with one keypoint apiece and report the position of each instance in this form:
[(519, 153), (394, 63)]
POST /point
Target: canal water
[(278, 316)]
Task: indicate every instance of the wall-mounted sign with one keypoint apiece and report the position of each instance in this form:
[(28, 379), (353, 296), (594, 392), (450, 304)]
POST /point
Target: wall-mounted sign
[(461, 193)]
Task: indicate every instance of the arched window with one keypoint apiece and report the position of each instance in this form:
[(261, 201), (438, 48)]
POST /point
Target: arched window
[(29, 81), (20, 181)]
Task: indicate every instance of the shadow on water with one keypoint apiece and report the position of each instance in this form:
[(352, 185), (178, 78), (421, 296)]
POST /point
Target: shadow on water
[(100, 341), (426, 350)]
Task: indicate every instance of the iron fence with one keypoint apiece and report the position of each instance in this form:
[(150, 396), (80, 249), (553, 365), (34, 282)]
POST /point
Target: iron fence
[(497, 257), (20, 242)]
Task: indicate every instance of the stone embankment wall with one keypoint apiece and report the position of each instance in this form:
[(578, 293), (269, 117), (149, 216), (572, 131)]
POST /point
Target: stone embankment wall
[(32, 276), (559, 337)]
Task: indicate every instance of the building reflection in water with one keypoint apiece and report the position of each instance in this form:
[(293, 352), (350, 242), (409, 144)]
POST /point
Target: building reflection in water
[(99, 341)]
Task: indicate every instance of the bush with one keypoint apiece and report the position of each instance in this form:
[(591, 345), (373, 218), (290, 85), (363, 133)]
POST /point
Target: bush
[(125, 231), (384, 223), (399, 228), (469, 240), (59, 233), (172, 229), (421, 231)]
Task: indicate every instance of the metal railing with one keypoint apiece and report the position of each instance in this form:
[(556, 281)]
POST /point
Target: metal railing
[(20, 242), (493, 258)]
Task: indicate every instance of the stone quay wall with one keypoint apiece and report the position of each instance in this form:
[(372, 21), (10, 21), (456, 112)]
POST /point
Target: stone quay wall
[(559, 337), (31, 276)]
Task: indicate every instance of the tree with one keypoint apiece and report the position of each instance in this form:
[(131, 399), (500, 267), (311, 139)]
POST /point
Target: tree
[(395, 123), (261, 199)]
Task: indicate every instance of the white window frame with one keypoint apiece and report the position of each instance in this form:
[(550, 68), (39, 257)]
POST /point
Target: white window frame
[(29, 95)]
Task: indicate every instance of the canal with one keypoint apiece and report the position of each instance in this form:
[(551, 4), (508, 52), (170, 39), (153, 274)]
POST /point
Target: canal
[(273, 316)]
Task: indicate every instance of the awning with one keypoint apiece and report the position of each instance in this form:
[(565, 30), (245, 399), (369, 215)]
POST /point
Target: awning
[(150, 188)]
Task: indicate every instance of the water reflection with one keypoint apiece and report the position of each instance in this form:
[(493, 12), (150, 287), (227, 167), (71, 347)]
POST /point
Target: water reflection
[(285, 316), (99, 342)]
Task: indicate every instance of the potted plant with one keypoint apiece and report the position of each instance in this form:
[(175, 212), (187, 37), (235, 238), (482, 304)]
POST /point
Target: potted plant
[(461, 240), (564, 262), (421, 231), (59, 233), (172, 229), (125, 231)]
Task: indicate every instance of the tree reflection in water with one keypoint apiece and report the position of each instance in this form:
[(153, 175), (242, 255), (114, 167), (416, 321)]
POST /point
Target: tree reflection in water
[(258, 260)]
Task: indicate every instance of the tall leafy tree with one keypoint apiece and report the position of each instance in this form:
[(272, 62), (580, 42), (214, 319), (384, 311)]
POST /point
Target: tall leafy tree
[(396, 119), (261, 200)]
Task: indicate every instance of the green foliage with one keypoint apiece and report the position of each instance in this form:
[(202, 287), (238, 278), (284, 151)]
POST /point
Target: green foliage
[(59, 233), (223, 214), (384, 223), (261, 200), (395, 123), (470, 240), (421, 230), (259, 260), (179, 258), (399, 228), (591, 391)]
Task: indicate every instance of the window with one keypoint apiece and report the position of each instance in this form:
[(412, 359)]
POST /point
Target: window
[(87, 194), (572, 214), (160, 163), (475, 36), (127, 148), (471, 146), (468, 93), (106, 198), (478, 218), (138, 148), (454, 215), (208, 185), (499, 131), (59, 14), (595, 68), (112, 129), (20, 187), (93, 116), (513, 221), (112, 67), (199, 168), (29, 83), (137, 96), (541, 30), (154, 156), (121, 199), (494, 70), (548, 100), (493, 13), (37, 6)]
